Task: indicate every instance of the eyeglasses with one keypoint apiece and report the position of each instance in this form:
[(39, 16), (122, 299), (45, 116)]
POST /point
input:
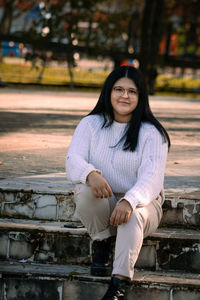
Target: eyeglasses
[(120, 91)]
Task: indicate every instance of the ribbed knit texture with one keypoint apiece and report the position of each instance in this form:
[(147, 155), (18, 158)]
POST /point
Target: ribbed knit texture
[(139, 174)]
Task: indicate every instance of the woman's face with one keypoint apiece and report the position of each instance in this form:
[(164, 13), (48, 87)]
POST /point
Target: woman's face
[(124, 99)]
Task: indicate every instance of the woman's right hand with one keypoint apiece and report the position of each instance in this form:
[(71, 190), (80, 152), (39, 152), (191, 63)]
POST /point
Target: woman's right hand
[(99, 185)]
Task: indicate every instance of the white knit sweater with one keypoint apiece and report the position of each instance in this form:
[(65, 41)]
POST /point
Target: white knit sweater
[(139, 174)]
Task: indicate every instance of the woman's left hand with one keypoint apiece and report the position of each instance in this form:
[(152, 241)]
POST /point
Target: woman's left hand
[(121, 213)]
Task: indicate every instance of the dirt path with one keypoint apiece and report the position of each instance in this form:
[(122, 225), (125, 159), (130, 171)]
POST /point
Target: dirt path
[(36, 129)]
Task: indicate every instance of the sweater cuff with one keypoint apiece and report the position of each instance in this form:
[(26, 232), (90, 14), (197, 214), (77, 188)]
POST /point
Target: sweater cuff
[(89, 169), (132, 202)]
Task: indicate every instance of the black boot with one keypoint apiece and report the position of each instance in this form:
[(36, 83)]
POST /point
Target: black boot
[(100, 258), (116, 289)]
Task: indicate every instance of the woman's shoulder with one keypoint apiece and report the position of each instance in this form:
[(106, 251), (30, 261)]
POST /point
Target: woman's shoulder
[(93, 121), (147, 129), (146, 126)]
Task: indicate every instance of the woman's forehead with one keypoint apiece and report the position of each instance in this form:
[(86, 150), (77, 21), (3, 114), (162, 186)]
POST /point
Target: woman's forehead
[(125, 82)]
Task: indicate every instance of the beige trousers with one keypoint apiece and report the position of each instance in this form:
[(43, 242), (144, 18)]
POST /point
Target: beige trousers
[(95, 215)]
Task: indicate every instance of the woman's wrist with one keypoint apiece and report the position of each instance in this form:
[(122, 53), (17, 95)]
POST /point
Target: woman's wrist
[(127, 202), (93, 171)]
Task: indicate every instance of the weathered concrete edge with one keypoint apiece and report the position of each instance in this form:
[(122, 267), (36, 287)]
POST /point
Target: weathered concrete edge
[(32, 191), (56, 227), (160, 233), (178, 194), (56, 183), (74, 272)]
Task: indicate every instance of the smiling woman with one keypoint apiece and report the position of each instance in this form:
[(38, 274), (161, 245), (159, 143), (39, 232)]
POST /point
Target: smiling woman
[(117, 160)]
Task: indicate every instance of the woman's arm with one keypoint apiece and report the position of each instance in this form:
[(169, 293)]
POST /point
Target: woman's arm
[(78, 169), (77, 165), (150, 175)]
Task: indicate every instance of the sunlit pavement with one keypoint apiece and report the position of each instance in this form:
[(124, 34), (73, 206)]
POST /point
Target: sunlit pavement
[(36, 128)]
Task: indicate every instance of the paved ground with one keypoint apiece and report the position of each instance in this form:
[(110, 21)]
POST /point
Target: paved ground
[(36, 129)]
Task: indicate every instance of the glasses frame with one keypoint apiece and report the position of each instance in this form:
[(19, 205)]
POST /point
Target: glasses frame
[(131, 92)]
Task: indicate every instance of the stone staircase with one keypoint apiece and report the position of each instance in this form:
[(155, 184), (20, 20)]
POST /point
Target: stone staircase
[(42, 259)]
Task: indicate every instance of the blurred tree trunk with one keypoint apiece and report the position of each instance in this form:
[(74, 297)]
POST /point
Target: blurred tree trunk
[(152, 26), (91, 16), (70, 62), (6, 20)]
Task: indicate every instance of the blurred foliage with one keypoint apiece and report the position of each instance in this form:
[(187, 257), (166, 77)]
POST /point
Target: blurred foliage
[(114, 28), (59, 75), (103, 23), (164, 81), (115, 23)]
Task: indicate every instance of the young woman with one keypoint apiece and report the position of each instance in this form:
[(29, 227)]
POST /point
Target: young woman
[(117, 159)]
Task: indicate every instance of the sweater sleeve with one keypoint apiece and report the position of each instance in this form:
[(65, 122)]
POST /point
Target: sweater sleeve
[(77, 165), (150, 176)]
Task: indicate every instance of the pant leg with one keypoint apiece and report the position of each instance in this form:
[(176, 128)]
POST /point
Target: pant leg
[(94, 213), (143, 221)]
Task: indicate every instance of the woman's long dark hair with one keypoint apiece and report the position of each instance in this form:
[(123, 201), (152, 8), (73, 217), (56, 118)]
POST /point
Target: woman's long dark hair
[(142, 113)]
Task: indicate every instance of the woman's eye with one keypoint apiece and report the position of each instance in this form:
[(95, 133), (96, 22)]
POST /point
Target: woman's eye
[(132, 92), (118, 89)]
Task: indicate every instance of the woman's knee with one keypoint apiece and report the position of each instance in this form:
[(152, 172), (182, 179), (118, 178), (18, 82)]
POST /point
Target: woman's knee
[(82, 192), (85, 201), (82, 196)]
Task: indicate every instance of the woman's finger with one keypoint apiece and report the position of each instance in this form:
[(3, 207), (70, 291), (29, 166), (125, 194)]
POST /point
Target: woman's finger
[(117, 219), (108, 188), (122, 218), (105, 193), (96, 193), (126, 218), (112, 218)]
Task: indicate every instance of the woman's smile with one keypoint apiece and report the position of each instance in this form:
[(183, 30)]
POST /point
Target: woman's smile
[(123, 102)]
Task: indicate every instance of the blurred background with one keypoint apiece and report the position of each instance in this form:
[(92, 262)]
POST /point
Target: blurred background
[(75, 44)]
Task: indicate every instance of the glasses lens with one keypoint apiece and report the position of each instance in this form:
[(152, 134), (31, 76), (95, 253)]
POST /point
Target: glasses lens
[(120, 91)]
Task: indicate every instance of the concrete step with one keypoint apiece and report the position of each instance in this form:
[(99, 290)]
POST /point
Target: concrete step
[(45, 197), (50, 197), (50, 242), (181, 208), (71, 282)]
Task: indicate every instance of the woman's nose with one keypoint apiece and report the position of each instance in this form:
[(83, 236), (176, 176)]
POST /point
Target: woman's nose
[(125, 94)]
